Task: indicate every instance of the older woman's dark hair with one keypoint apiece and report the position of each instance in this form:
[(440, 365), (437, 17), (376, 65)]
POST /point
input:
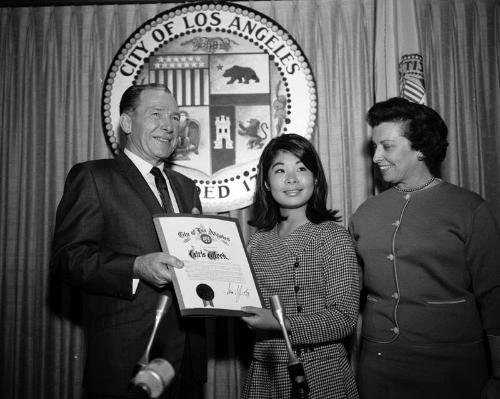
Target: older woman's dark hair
[(422, 126), (266, 209), (130, 98)]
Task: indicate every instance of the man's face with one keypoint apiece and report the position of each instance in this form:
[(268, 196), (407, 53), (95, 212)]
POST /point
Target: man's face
[(153, 127)]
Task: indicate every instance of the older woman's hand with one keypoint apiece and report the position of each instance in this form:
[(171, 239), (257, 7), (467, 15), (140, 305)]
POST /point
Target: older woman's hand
[(491, 389)]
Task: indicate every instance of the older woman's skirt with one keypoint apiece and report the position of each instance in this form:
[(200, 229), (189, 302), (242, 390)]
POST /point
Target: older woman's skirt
[(407, 371)]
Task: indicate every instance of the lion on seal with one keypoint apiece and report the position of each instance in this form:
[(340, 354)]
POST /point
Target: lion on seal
[(251, 129)]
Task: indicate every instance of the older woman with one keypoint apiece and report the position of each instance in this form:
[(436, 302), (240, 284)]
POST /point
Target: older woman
[(430, 255)]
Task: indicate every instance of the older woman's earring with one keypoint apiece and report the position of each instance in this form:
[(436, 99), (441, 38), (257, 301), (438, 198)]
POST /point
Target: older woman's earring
[(420, 156)]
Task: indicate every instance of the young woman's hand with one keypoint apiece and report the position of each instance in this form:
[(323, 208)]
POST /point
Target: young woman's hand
[(261, 319)]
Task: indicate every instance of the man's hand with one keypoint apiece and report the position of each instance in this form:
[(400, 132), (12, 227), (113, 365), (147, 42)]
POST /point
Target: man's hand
[(260, 319), (154, 268)]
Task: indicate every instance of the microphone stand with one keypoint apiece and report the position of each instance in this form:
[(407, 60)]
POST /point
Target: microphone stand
[(300, 388), (162, 308)]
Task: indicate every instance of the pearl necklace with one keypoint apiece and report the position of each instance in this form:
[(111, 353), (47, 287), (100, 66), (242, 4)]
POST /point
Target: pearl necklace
[(410, 190)]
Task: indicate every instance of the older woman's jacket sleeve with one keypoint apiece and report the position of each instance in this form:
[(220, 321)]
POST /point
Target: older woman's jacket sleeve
[(482, 252)]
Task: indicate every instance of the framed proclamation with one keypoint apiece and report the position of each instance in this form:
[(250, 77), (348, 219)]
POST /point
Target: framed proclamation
[(217, 278)]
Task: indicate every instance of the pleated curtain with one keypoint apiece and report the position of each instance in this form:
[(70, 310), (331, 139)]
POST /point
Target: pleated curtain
[(53, 61)]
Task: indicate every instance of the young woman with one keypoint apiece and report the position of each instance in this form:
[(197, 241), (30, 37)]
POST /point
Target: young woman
[(302, 255)]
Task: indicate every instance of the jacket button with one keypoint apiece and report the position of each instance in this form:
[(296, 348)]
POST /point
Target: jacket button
[(390, 257), (395, 295), (395, 330), (296, 264), (299, 309), (296, 288)]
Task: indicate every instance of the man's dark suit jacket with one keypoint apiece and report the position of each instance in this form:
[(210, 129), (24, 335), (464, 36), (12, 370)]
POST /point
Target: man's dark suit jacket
[(104, 221)]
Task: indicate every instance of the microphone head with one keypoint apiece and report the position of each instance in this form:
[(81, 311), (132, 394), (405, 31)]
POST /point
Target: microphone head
[(155, 377)]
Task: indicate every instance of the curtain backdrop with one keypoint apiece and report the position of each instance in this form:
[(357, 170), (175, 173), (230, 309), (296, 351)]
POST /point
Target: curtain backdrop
[(53, 61)]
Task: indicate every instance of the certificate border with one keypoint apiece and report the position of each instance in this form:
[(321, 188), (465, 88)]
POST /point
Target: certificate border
[(201, 312)]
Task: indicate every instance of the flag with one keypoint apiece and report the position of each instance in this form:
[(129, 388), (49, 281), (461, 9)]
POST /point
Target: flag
[(187, 77), (398, 59)]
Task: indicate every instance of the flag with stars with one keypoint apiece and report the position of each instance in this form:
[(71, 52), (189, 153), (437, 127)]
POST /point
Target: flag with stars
[(187, 76)]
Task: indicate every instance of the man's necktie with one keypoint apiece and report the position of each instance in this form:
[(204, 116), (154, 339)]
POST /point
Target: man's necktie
[(161, 185)]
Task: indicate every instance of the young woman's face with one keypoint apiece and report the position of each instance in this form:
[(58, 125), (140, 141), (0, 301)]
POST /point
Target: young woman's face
[(290, 182)]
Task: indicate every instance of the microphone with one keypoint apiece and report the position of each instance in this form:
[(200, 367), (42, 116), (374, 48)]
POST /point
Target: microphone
[(152, 379), (163, 305), (300, 388)]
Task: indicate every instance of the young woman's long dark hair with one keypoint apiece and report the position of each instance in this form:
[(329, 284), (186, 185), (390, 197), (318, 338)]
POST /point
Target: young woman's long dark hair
[(266, 210)]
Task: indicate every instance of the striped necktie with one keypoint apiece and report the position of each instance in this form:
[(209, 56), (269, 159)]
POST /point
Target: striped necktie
[(161, 185)]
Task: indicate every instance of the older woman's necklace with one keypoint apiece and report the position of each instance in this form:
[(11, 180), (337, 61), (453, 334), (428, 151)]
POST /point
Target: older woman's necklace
[(411, 190)]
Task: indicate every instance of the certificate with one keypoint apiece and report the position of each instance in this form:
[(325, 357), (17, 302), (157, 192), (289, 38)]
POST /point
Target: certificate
[(217, 278)]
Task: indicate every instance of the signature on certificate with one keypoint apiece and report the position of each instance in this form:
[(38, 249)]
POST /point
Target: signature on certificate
[(238, 292)]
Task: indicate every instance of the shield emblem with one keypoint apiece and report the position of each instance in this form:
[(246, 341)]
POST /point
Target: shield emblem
[(225, 103), (239, 79)]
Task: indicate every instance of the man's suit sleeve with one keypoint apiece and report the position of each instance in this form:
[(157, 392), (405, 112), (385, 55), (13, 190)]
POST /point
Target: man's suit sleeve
[(77, 254)]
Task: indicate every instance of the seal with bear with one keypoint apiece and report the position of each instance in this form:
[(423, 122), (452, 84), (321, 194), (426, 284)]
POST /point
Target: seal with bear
[(241, 74)]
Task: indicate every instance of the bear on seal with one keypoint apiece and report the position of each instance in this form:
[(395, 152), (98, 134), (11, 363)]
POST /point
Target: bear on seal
[(241, 74)]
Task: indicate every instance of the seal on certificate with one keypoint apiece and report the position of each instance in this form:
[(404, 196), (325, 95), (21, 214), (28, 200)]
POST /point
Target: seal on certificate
[(206, 293), (206, 238)]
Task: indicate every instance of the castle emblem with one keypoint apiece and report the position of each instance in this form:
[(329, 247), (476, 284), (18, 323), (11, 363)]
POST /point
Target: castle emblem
[(223, 133)]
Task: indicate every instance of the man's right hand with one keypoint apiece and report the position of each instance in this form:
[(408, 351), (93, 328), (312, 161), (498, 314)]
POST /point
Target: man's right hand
[(154, 268)]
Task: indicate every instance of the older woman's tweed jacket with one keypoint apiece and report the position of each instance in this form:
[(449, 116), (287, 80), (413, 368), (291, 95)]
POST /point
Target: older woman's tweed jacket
[(314, 271)]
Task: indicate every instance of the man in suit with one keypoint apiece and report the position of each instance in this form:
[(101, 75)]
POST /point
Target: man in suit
[(105, 242)]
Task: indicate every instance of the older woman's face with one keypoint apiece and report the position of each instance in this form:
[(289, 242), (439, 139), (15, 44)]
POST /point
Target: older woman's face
[(397, 161)]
